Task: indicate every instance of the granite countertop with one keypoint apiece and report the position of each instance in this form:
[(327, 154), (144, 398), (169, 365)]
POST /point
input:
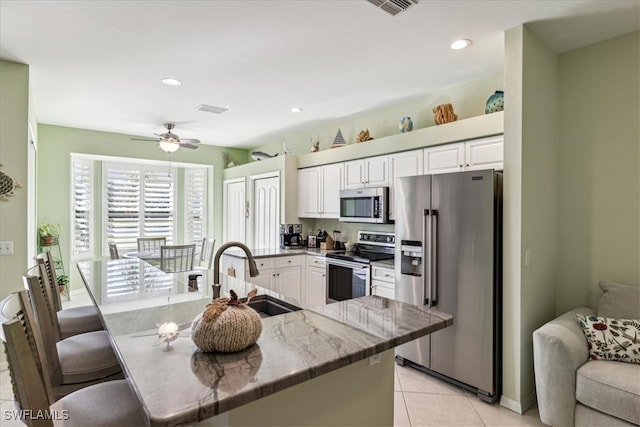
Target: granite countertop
[(177, 383), (274, 252)]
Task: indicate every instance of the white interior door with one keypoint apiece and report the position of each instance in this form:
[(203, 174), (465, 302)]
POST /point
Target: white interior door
[(234, 210), (266, 212)]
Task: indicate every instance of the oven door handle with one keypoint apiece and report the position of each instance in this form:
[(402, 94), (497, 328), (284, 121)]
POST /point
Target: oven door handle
[(346, 264)]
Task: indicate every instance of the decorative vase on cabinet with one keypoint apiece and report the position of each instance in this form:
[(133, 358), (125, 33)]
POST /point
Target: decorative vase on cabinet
[(495, 102)]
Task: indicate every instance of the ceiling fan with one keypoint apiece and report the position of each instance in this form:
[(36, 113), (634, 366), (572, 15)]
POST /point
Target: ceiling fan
[(170, 142)]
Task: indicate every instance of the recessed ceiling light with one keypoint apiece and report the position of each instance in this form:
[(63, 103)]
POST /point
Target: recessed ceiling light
[(460, 44), (170, 81), (296, 109)]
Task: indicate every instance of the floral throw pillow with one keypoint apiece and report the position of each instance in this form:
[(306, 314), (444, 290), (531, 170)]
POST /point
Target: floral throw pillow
[(611, 339)]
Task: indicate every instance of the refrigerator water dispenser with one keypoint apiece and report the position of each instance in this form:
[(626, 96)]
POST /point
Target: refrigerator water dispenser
[(411, 262)]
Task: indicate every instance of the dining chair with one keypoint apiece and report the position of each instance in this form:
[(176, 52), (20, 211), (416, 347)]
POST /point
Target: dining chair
[(176, 258), (111, 403), (74, 362), (150, 244), (71, 321), (206, 253), (113, 251)]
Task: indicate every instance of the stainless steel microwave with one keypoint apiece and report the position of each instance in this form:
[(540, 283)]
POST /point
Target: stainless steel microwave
[(365, 205)]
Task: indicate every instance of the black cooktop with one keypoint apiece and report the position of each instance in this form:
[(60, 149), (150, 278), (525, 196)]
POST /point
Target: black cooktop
[(362, 256)]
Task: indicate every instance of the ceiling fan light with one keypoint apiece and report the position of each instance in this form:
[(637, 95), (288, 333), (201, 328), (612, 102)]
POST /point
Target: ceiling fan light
[(169, 146)]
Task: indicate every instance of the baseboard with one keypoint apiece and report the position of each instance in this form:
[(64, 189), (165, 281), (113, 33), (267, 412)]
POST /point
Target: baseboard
[(519, 406)]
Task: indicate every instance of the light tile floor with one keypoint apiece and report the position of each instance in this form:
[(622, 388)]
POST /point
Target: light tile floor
[(424, 401), (420, 400)]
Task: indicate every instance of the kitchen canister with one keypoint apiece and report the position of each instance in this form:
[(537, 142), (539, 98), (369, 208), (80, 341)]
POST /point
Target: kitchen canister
[(495, 102), (227, 325)]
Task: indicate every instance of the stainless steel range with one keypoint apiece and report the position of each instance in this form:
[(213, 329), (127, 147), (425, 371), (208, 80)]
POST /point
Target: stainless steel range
[(349, 273)]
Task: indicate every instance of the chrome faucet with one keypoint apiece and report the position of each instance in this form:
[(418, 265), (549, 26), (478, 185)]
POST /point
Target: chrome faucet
[(253, 268)]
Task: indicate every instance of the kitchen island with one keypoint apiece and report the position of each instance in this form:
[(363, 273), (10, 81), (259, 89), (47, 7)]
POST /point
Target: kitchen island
[(323, 366)]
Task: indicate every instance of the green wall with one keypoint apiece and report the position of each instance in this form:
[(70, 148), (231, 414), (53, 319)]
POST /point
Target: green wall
[(56, 143), (14, 148), (600, 174), (468, 100), (572, 186)]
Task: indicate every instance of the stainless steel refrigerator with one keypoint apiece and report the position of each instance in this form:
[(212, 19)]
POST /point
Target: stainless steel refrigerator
[(448, 257)]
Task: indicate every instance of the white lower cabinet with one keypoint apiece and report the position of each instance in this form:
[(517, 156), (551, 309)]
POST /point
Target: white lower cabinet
[(315, 287), (383, 282), (279, 274)]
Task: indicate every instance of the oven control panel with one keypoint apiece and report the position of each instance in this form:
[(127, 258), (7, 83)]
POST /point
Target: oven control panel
[(377, 238)]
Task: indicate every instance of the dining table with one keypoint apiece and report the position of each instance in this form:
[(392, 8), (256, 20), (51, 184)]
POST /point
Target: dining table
[(303, 358)]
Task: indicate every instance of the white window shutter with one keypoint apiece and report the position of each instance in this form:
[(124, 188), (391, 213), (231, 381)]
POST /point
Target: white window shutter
[(82, 208)]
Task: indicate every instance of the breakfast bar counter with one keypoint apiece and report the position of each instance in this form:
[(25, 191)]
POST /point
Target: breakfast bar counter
[(148, 314)]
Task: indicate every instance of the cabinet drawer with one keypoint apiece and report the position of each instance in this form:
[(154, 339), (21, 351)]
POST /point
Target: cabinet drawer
[(317, 261), (264, 263), (382, 289), (286, 261), (383, 274)]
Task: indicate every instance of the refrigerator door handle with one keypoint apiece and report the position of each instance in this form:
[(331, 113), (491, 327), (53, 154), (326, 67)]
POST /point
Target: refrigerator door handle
[(426, 256), (433, 257)]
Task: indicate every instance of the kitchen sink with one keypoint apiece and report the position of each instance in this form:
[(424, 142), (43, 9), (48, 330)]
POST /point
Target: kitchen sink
[(268, 306)]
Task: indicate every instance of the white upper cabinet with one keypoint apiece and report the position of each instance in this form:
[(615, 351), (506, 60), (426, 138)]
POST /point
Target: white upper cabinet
[(444, 158), (309, 192), (408, 163), (319, 191), (331, 184), (486, 153), (371, 172)]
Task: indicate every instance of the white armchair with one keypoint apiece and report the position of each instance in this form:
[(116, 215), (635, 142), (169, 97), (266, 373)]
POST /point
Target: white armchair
[(573, 390)]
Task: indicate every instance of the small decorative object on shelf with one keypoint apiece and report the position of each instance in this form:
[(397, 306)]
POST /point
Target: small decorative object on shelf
[(444, 114), (286, 148), (338, 141), (315, 146), (49, 233), (495, 102), (227, 325), (363, 136), (405, 125), (261, 155)]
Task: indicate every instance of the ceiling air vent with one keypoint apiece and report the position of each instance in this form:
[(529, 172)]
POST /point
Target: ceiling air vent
[(393, 7), (212, 109)]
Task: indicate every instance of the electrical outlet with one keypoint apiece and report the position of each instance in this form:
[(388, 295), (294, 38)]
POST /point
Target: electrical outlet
[(6, 248)]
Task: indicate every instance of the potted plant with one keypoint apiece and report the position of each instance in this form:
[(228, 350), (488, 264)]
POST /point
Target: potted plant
[(63, 281), (49, 233)]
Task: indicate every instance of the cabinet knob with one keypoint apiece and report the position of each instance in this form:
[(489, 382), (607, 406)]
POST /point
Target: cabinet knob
[(467, 164), (461, 166)]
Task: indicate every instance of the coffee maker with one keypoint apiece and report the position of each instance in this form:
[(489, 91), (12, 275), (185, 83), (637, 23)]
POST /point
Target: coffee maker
[(290, 236)]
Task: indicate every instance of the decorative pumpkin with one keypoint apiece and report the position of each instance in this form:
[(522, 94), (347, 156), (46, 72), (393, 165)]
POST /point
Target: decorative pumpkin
[(227, 325)]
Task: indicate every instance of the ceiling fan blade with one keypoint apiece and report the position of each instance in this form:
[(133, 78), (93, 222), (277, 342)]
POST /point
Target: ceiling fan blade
[(144, 139), (191, 146), (190, 141), (158, 134)]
